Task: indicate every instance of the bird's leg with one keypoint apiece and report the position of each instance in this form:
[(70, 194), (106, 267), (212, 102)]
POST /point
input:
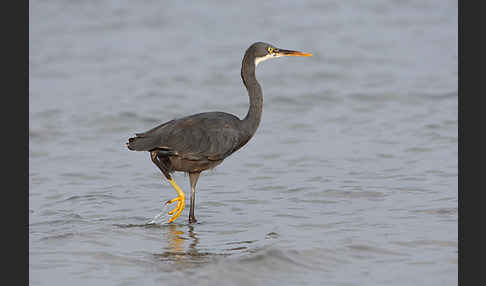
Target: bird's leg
[(180, 201), (193, 177), (181, 198)]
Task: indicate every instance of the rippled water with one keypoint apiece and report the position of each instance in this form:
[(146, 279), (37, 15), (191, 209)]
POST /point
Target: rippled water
[(351, 178)]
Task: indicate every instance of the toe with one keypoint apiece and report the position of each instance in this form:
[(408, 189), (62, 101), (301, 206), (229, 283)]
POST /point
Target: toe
[(173, 200), (176, 215), (176, 212)]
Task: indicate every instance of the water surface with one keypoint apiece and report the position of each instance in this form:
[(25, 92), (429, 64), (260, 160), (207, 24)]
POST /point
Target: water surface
[(351, 178)]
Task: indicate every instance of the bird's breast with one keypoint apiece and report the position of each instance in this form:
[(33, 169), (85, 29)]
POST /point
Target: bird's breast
[(185, 165)]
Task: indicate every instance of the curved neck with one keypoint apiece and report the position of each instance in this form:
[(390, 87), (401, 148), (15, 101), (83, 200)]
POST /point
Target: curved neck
[(254, 115)]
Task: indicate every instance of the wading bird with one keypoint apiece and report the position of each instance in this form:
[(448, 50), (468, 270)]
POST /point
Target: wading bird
[(202, 141)]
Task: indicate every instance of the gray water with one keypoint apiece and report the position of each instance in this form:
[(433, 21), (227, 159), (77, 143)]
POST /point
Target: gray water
[(351, 178)]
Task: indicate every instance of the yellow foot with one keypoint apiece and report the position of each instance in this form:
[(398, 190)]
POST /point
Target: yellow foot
[(179, 208), (180, 202)]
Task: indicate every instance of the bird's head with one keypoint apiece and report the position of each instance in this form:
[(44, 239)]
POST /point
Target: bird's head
[(263, 51)]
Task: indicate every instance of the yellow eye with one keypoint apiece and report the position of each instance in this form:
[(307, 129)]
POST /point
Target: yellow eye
[(270, 50)]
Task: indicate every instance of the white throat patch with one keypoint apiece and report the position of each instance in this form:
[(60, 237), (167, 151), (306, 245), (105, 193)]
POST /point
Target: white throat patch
[(261, 59)]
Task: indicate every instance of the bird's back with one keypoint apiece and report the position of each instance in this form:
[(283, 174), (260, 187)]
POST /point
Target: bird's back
[(202, 136)]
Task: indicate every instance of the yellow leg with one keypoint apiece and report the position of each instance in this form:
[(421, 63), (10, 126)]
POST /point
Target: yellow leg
[(180, 201)]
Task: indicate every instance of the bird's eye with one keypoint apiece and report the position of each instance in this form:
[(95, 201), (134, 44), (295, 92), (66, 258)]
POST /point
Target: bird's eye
[(270, 50)]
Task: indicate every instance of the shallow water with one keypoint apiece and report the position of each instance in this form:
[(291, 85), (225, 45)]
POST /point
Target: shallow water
[(351, 178)]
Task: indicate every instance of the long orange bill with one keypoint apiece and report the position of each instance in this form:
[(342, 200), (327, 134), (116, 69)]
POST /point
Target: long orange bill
[(293, 53)]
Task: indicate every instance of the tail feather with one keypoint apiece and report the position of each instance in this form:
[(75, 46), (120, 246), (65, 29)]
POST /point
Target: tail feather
[(140, 143)]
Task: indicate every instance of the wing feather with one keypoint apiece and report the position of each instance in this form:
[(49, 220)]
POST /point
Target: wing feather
[(211, 135)]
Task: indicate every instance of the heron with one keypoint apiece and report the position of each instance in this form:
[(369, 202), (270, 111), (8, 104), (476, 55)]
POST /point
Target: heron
[(202, 141)]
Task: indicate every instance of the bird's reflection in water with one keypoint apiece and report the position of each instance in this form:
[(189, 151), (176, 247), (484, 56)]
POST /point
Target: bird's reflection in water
[(175, 238), (193, 236), (182, 246)]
